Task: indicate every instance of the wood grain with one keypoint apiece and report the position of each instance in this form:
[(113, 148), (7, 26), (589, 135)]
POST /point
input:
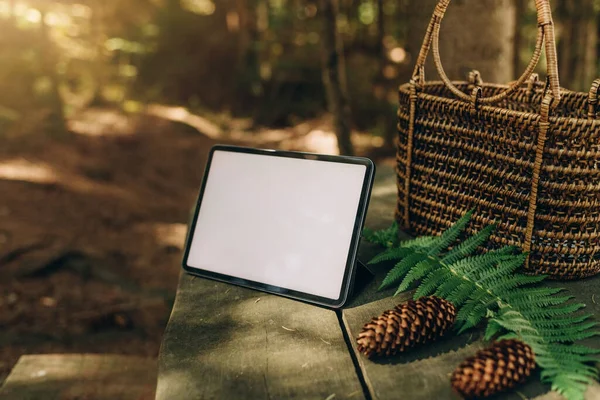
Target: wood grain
[(421, 374), (81, 376), (224, 341)]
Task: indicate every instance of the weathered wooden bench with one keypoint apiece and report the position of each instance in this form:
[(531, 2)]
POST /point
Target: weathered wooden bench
[(81, 376), (227, 342)]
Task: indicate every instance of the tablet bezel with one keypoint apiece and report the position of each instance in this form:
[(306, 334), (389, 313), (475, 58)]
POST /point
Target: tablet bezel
[(351, 259)]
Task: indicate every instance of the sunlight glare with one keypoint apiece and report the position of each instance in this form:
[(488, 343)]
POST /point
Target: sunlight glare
[(310, 10), (81, 11), (101, 122), (51, 19), (170, 234), (23, 170), (33, 16), (201, 7), (390, 72), (56, 19), (397, 55), (320, 141), (181, 114), (20, 9), (233, 21), (4, 9)]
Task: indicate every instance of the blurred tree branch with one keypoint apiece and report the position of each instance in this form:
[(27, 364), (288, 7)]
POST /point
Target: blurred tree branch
[(333, 74)]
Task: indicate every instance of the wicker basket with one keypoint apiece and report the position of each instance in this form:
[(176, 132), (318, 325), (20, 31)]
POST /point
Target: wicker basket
[(526, 156)]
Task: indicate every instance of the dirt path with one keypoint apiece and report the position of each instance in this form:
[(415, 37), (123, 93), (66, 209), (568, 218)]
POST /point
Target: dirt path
[(92, 227)]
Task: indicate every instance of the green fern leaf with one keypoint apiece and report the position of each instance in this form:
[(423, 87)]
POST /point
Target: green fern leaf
[(492, 329), (431, 282), (547, 301), (401, 269), (459, 295), (503, 287), (417, 272), (559, 322), (392, 254), (448, 286), (572, 348), (532, 294), (479, 297), (470, 244), (537, 313), (451, 234), (386, 237), (570, 334), (406, 248), (489, 286), (505, 266)]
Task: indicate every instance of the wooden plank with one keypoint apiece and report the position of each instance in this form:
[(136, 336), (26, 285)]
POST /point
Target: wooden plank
[(224, 341), (81, 376), (421, 374), (424, 373), (220, 343), (592, 393)]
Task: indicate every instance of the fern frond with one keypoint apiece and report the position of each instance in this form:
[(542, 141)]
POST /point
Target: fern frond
[(531, 294), (477, 298), (386, 237), (470, 244), (417, 272), (448, 286), (450, 235), (489, 286), (401, 269), (549, 312), (407, 247), (395, 253), (431, 282), (461, 294), (503, 287), (572, 348), (504, 267), (559, 322), (571, 336)]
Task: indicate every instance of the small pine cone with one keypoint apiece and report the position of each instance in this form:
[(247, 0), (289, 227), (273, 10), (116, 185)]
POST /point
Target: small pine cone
[(408, 324), (494, 369)]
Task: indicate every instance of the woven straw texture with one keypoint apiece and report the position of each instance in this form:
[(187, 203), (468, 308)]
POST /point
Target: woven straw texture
[(525, 156)]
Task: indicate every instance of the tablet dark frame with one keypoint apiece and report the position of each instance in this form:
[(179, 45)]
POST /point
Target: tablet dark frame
[(351, 261)]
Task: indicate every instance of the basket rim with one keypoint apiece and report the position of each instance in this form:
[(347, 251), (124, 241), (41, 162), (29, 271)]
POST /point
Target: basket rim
[(559, 120)]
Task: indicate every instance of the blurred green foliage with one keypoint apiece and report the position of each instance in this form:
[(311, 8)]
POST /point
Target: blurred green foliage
[(255, 58)]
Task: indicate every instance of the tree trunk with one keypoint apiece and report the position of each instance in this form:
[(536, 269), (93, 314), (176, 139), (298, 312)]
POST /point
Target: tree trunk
[(475, 34), (97, 33), (520, 11), (380, 30), (333, 77), (387, 118), (49, 67), (577, 43)]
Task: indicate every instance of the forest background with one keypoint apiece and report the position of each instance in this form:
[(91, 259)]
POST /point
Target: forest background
[(108, 109)]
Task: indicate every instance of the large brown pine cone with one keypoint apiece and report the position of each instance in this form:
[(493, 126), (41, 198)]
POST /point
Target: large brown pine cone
[(410, 323), (494, 369)]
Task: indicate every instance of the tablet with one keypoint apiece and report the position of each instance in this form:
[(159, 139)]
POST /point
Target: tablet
[(282, 222)]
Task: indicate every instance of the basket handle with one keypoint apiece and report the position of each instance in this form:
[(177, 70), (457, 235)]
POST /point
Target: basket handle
[(545, 35), (593, 98)]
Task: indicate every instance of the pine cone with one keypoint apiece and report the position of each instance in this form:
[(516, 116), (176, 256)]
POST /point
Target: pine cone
[(499, 367), (408, 324)]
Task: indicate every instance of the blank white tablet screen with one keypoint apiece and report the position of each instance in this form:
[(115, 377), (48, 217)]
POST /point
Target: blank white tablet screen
[(280, 221)]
